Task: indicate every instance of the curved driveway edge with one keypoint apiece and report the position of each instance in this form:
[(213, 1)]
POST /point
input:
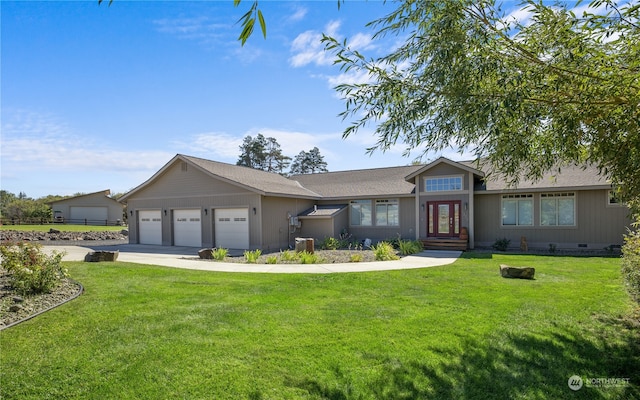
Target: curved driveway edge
[(186, 257)]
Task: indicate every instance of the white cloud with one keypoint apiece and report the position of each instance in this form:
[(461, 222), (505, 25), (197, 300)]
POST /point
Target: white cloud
[(32, 142), (519, 16), (308, 48), (226, 147), (213, 145), (299, 13)]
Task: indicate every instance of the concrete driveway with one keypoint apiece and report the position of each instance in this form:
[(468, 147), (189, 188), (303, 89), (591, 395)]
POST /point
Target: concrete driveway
[(187, 258)]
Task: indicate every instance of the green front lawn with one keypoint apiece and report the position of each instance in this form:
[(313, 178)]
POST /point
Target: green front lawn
[(452, 332), (62, 228)]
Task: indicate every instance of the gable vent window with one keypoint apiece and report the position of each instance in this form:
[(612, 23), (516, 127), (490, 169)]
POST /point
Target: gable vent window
[(184, 167)]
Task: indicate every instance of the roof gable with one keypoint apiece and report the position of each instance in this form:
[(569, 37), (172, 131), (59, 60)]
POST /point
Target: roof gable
[(468, 166), (261, 182), (100, 194)]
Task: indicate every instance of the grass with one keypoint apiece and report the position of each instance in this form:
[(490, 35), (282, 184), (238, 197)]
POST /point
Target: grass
[(62, 228), (457, 331)]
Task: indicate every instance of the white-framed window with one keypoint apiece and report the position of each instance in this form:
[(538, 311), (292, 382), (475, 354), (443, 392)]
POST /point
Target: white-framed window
[(387, 213), (517, 210), (558, 209), (361, 212), (443, 183), (613, 200)]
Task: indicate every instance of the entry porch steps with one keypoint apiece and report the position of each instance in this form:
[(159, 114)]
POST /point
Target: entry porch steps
[(445, 244)]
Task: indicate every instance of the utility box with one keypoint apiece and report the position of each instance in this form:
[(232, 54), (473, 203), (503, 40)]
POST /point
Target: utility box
[(304, 244)]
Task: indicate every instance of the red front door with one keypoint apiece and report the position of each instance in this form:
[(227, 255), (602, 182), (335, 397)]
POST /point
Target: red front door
[(443, 218)]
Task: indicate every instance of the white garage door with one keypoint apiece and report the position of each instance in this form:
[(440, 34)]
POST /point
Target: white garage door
[(91, 214), (232, 228), (150, 227), (187, 228)]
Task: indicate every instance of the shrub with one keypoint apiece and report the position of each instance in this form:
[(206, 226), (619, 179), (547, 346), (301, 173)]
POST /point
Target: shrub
[(308, 258), (408, 247), (219, 254), (252, 256), (288, 255), (384, 251), (272, 260), (356, 257), (330, 243), (501, 244), (631, 264), (31, 270)]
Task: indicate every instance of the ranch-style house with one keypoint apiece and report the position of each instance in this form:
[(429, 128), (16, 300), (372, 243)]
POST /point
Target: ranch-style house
[(202, 203)]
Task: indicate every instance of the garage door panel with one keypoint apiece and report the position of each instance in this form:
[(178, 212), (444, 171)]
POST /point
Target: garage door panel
[(232, 228), (150, 227), (92, 214), (187, 228)]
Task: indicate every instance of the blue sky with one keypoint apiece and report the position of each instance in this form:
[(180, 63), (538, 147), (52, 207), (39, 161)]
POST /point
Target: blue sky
[(96, 97)]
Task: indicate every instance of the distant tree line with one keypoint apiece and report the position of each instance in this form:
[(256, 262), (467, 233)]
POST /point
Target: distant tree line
[(264, 153), (21, 207)]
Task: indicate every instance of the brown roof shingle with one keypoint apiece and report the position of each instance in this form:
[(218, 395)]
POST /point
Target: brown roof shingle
[(360, 183)]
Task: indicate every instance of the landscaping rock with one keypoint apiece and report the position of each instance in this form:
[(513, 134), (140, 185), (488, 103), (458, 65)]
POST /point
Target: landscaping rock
[(98, 256), (517, 272), (15, 308), (56, 235), (206, 254)]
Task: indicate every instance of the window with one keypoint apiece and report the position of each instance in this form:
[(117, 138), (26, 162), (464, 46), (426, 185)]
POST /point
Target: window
[(612, 199), (443, 184), (361, 212), (517, 210), (557, 209), (387, 213)]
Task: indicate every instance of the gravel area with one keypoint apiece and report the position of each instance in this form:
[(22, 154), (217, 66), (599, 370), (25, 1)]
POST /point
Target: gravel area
[(324, 256), (15, 307)]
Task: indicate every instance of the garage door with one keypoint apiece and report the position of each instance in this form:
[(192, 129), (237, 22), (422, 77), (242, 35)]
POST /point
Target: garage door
[(150, 227), (232, 228), (95, 215), (187, 228)]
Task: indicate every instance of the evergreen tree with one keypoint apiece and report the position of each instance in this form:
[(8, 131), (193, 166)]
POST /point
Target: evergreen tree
[(308, 162), (263, 153)]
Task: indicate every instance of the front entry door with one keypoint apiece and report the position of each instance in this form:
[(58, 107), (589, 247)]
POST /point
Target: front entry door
[(444, 218)]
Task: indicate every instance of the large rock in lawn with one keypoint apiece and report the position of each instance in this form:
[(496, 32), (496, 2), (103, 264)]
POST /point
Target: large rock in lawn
[(517, 272), (98, 256)]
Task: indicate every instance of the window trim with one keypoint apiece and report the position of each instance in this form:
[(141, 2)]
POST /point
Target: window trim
[(386, 202), (438, 177), (360, 203), (518, 197), (610, 195), (558, 195)]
